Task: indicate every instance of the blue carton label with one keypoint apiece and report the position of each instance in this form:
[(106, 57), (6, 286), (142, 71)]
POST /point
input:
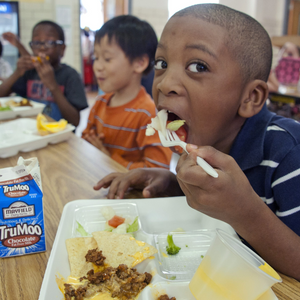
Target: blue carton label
[(21, 214)]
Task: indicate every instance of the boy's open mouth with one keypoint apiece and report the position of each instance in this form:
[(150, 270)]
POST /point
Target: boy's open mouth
[(182, 132)]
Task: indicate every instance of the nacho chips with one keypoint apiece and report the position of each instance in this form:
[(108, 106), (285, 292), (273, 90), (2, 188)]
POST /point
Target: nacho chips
[(77, 249), (122, 248)]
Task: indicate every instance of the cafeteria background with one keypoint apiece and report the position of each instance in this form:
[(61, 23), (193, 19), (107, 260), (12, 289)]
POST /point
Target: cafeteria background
[(75, 15)]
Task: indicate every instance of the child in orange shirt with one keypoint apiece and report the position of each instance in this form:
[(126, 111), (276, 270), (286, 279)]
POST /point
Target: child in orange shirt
[(124, 51)]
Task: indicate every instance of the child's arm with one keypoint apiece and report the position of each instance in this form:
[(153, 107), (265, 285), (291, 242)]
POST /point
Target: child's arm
[(153, 182), (24, 63), (231, 198), (46, 74), (15, 41)]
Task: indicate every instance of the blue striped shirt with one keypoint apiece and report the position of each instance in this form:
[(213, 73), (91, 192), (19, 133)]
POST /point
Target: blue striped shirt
[(267, 149)]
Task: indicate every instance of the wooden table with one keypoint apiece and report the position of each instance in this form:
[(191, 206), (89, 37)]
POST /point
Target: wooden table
[(69, 170)]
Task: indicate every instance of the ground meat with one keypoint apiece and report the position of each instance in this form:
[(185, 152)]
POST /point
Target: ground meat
[(165, 297), (96, 278), (148, 278), (71, 292), (121, 282), (128, 283), (95, 256)]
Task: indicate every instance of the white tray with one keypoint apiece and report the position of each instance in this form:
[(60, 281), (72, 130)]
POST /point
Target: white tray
[(157, 217), (22, 135), (22, 111)]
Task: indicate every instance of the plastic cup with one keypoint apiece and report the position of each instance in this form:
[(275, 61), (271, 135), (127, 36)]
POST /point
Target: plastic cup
[(231, 271)]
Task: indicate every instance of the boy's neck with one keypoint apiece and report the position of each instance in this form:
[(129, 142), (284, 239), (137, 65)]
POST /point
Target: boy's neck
[(56, 66), (125, 95)]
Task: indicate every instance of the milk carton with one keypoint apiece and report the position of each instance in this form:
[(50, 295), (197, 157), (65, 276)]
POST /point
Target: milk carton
[(21, 210)]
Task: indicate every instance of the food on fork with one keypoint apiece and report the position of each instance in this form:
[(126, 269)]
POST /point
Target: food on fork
[(45, 127), (161, 123), (158, 123), (175, 125)]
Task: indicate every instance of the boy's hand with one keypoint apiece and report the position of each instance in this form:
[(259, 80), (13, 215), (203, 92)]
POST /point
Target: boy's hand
[(153, 182), (96, 140), (24, 64), (46, 72), (229, 197), (11, 37)]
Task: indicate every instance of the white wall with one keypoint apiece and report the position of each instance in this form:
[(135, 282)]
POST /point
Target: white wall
[(155, 12), (269, 13)]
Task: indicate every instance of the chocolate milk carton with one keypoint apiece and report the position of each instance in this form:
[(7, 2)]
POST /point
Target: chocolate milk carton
[(21, 210)]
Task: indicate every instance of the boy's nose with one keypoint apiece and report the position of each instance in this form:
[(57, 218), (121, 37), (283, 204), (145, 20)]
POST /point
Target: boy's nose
[(170, 83)]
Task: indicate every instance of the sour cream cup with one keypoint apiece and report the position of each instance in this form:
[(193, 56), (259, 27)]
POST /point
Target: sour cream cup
[(232, 271)]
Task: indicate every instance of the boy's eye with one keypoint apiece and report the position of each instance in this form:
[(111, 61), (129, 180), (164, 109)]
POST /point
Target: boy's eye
[(197, 67), (160, 64)]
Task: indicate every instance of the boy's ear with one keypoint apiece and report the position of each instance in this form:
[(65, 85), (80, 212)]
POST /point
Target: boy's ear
[(255, 94), (141, 64)]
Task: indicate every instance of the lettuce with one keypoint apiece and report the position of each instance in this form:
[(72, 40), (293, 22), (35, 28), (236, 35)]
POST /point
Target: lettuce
[(134, 226), (81, 230)]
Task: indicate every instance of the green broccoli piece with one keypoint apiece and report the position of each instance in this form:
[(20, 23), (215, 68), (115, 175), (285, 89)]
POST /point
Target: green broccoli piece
[(172, 249)]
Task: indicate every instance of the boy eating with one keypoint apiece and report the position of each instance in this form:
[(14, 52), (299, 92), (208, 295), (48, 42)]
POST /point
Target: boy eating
[(44, 79), (212, 65), (124, 50)]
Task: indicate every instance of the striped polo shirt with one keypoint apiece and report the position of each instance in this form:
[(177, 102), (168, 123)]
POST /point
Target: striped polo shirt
[(124, 129), (267, 149)]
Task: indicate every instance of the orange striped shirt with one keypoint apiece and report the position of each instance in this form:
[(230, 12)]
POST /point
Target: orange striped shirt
[(124, 129)]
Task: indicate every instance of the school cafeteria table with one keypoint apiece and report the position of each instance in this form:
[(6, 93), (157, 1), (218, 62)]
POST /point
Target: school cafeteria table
[(69, 170)]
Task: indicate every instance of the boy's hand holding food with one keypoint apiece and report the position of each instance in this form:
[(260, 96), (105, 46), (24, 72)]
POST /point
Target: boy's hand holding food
[(24, 64), (230, 198), (153, 182), (46, 72)]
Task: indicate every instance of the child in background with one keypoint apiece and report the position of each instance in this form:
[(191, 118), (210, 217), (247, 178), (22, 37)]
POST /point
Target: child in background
[(5, 68), (211, 68), (124, 50), (43, 78)]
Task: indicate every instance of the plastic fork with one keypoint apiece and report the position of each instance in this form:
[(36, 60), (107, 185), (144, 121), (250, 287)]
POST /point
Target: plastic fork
[(172, 140)]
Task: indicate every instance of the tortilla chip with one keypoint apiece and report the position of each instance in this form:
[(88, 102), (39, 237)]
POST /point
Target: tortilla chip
[(122, 248), (77, 249)]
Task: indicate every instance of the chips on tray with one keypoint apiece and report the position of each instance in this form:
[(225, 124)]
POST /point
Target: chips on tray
[(120, 253), (122, 248), (77, 249)]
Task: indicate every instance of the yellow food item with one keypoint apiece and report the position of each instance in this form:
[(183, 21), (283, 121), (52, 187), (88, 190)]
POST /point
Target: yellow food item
[(175, 125), (269, 270), (45, 127), (37, 58)]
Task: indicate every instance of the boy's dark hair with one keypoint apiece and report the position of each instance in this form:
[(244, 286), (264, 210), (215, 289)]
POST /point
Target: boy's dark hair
[(248, 42), (134, 36), (0, 49), (58, 29)]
